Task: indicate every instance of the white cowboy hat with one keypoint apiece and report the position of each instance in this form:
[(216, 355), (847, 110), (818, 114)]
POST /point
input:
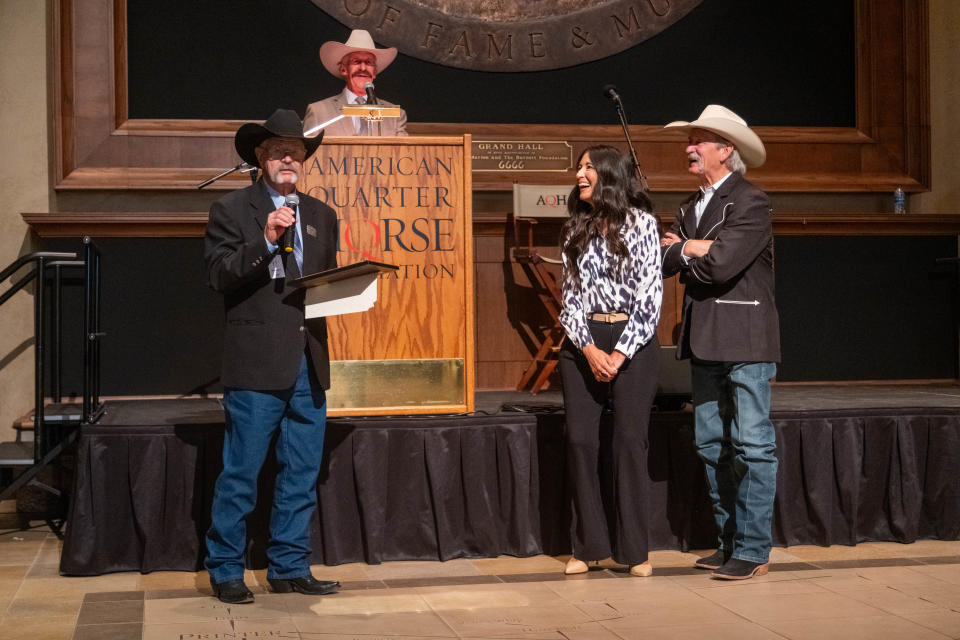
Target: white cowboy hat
[(331, 53), (726, 123)]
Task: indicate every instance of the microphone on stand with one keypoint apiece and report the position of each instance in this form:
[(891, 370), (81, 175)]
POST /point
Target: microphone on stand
[(610, 92), (371, 98), (291, 200)]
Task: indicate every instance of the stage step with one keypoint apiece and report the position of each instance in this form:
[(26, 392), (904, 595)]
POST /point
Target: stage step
[(57, 413), (16, 454)]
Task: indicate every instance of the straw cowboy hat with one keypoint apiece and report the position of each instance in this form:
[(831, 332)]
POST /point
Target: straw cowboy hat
[(726, 123), (284, 123), (331, 53)]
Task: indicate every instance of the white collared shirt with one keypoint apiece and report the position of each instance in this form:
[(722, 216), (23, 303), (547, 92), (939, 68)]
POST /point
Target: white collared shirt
[(706, 194)]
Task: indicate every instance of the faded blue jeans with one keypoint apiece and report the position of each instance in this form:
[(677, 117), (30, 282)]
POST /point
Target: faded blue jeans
[(736, 441), (252, 420)]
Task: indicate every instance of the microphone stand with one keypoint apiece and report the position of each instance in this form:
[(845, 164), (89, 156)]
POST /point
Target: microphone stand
[(242, 167), (626, 134)]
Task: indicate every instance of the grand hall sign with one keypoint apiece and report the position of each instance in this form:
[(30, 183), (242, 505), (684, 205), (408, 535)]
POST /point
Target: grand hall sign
[(509, 35)]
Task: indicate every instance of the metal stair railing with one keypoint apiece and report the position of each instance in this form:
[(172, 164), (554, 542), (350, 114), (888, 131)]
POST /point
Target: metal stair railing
[(44, 450)]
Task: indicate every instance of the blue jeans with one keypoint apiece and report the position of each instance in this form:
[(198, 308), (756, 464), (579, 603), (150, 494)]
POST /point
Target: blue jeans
[(736, 441), (252, 420)]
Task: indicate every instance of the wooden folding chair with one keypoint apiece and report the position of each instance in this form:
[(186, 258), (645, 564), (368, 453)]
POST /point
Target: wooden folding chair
[(547, 289)]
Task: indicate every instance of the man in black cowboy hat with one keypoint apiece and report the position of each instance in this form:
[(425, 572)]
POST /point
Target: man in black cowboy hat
[(276, 364)]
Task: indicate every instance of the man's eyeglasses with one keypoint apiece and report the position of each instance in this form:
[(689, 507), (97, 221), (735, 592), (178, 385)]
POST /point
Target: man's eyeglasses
[(273, 152)]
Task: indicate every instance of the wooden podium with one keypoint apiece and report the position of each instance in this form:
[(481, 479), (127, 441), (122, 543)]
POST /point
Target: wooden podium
[(405, 201)]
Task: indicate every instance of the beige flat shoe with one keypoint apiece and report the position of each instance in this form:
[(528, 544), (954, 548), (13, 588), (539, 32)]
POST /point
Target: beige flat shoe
[(575, 566), (644, 570)]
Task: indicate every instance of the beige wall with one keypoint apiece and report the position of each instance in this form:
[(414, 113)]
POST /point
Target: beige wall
[(944, 100), (24, 185)]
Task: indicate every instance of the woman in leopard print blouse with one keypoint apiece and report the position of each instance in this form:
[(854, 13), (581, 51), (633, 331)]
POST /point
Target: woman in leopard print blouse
[(612, 290)]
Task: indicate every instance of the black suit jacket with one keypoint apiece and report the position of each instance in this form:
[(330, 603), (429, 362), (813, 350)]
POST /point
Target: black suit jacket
[(266, 333), (729, 312)]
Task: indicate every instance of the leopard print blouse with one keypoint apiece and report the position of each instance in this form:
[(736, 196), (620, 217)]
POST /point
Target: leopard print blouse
[(636, 289)]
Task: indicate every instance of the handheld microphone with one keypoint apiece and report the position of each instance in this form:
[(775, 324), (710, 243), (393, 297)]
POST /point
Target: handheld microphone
[(371, 98), (290, 200), (610, 91)]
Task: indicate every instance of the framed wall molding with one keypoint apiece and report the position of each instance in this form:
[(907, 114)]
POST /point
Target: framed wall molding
[(97, 147)]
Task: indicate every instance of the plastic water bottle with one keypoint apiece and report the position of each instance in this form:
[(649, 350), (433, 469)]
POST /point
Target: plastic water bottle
[(899, 201)]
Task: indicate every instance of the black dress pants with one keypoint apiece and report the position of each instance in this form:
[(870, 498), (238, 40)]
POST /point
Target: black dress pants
[(620, 529)]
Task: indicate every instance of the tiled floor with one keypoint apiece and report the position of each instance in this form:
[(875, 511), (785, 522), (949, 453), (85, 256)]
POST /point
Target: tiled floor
[(876, 590)]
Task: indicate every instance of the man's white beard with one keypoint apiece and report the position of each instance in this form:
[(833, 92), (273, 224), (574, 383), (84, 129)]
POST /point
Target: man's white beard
[(276, 176)]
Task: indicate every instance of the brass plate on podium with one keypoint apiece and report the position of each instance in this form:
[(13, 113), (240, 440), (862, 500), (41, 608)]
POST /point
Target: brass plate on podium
[(395, 385), (371, 111)]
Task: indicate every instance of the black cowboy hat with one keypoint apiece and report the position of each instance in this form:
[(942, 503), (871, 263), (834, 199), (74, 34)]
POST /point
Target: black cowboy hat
[(284, 123)]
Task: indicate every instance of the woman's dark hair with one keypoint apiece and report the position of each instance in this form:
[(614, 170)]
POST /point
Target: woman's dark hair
[(617, 190)]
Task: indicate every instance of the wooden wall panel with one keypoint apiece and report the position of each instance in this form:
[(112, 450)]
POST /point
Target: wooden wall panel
[(889, 146)]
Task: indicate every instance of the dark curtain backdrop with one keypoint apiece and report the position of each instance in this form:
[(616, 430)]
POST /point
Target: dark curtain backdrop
[(450, 487), (866, 307), (774, 63)]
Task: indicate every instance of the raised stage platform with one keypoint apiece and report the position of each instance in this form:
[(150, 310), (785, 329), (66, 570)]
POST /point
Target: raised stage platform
[(857, 463)]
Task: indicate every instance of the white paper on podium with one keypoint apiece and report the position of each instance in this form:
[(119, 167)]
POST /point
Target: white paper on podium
[(350, 295)]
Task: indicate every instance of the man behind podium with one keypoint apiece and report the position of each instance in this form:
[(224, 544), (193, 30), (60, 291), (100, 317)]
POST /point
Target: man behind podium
[(358, 62), (275, 364)]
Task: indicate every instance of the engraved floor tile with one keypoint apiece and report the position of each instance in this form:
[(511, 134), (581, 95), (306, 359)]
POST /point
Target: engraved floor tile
[(891, 600), (945, 572), (799, 606), (48, 627), (901, 576), (206, 609), (490, 596), (722, 631), (13, 553), (111, 612), (531, 621), (13, 572), (184, 630), (116, 631), (944, 595), (614, 590), (945, 621), (749, 589), (660, 613), (424, 623), (39, 607), (853, 628), (61, 587), (380, 601)]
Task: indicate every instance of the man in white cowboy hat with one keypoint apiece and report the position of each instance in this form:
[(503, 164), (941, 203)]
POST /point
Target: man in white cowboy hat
[(276, 365), (721, 243), (358, 62)]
